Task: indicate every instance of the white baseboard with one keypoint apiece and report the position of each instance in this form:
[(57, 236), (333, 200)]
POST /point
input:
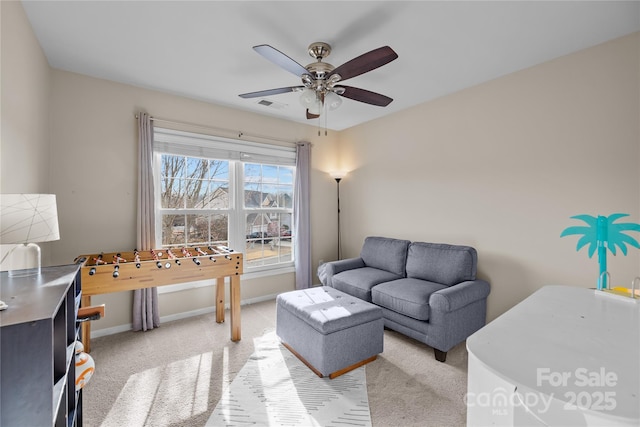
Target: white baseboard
[(127, 327)]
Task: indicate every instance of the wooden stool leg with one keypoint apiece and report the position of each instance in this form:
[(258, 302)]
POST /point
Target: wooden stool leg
[(86, 326)]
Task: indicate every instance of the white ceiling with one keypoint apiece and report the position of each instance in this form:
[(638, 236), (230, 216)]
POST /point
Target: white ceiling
[(203, 49)]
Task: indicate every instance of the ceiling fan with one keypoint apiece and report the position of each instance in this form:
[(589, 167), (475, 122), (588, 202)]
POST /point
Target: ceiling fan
[(321, 80)]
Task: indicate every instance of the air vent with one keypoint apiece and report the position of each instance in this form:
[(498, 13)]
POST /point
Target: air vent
[(272, 104)]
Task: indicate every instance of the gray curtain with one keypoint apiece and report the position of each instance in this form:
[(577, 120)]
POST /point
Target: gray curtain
[(145, 301), (302, 216)]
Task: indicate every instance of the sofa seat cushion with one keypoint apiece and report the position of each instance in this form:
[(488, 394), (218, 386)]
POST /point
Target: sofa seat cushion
[(441, 263), (409, 297), (359, 281)]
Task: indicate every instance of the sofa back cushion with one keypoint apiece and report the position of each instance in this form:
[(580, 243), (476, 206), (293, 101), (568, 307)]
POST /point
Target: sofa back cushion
[(385, 254), (441, 263)]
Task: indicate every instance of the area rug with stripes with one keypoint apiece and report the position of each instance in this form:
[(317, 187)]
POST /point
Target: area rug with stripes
[(274, 388)]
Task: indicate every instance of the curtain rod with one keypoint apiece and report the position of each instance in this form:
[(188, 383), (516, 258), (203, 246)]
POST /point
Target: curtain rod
[(239, 134)]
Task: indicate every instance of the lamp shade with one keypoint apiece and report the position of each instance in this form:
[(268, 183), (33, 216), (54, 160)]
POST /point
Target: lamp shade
[(28, 218), (337, 174), (333, 101), (309, 99)]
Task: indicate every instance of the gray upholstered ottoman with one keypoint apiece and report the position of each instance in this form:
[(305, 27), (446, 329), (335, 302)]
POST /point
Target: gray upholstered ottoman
[(330, 331)]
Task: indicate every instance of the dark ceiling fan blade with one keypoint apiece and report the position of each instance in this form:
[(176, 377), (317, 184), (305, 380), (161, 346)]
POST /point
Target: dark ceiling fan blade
[(280, 59), (365, 63), (312, 116), (270, 92), (366, 96)]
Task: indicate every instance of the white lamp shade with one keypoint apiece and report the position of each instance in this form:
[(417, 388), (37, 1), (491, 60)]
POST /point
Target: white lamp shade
[(309, 100), (333, 101), (316, 108), (28, 218), (337, 174)]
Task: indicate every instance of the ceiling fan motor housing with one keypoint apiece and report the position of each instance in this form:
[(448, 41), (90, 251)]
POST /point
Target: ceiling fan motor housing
[(319, 50)]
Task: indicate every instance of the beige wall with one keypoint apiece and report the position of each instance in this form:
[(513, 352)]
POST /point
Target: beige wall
[(502, 166), (25, 91)]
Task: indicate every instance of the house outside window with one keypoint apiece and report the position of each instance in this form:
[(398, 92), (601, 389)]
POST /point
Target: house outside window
[(217, 192)]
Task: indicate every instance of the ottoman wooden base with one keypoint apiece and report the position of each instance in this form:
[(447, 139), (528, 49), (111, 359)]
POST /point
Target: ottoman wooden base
[(329, 331), (336, 373)]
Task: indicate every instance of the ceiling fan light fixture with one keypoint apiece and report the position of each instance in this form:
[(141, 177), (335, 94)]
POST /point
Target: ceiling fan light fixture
[(316, 107), (333, 101), (308, 98)]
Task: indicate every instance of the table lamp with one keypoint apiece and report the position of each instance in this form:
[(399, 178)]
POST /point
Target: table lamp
[(25, 220)]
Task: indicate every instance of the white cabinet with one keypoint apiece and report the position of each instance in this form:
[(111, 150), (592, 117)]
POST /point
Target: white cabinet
[(563, 356)]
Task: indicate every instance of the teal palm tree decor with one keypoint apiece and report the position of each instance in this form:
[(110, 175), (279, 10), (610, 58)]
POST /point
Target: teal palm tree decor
[(601, 233)]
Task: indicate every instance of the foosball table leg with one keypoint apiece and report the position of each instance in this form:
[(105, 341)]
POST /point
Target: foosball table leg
[(220, 300), (235, 308)]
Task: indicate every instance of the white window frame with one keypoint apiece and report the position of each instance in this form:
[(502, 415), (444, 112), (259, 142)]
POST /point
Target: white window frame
[(180, 143)]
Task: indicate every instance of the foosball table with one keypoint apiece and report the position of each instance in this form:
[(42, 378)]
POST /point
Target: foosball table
[(124, 271)]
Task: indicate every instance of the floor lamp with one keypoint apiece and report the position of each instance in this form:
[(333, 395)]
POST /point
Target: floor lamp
[(338, 177)]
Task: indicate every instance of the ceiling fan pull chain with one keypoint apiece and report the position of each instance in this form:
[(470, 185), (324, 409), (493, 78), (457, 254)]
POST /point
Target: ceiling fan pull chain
[(326, 111)]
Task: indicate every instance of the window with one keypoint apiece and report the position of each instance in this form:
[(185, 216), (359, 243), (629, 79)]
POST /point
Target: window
[(211, 191), (268, 206)]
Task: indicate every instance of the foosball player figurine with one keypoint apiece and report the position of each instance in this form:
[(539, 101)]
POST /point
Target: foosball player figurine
[(99, 260), (136, 258), (155, 257), (117, 258), (171, 255)]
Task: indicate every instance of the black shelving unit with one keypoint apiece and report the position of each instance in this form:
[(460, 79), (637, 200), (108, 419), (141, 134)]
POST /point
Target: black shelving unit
[(38, 333)]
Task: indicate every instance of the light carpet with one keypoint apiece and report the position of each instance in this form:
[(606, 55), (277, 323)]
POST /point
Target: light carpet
[(274, 388)]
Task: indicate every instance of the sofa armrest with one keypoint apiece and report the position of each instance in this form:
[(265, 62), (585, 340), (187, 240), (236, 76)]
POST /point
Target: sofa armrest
[(460, 295), (329, 269)]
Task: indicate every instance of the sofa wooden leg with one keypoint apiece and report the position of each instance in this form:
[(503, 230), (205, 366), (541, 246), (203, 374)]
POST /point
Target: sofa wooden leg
[(441, 356)]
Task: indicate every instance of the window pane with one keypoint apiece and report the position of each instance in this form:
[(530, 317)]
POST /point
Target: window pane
[(269, 239), (197, 229), (285, 175), (171, 193), (219, 230), (172, 166), (269, 174), (285, 196), (268, 186), (219, 169), (252, 195), (197, 168), (218, 198), (173, 230), (196, 192), (252, 172)]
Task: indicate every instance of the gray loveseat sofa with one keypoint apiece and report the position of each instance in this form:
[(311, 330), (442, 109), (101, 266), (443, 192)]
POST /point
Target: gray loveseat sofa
[(427, 291)]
